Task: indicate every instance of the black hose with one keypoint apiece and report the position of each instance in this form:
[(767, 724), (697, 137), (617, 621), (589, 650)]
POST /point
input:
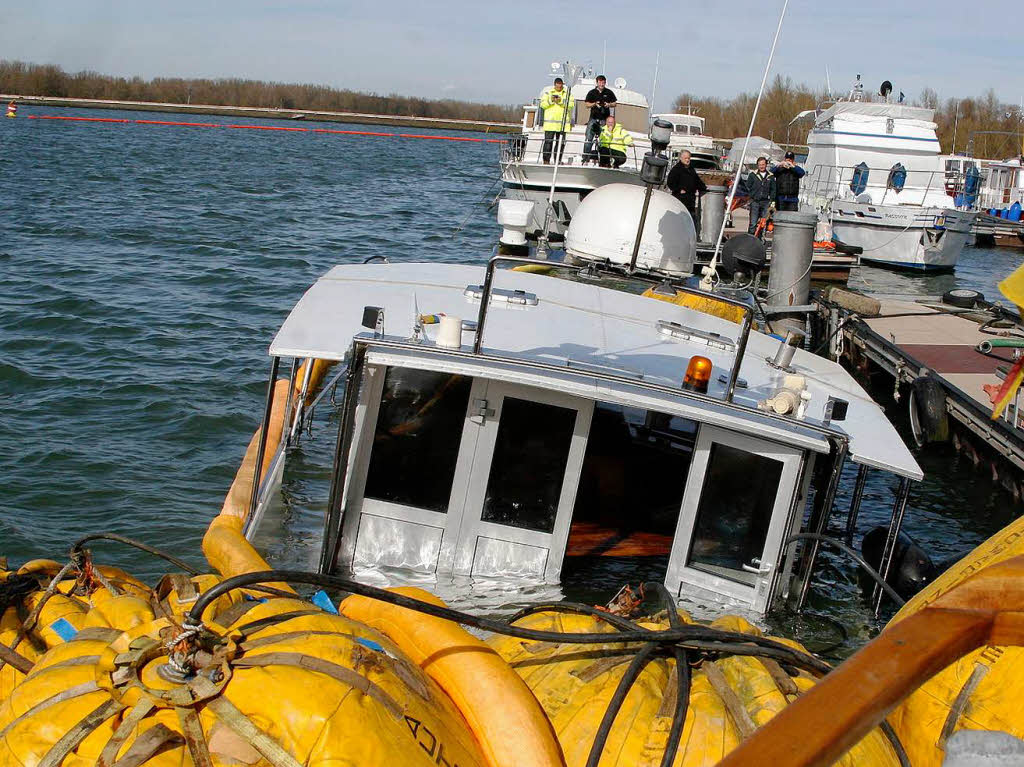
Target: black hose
[(683, 678), (576, 608), (854, 555), (895, 742), (615, 704), (691, 636), (77, 548)]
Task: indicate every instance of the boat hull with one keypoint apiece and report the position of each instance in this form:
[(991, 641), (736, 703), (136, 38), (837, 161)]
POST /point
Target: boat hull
[(532, 182), (903, 237)]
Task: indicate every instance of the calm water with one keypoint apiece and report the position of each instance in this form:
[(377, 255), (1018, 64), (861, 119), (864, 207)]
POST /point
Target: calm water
[(144, 269)]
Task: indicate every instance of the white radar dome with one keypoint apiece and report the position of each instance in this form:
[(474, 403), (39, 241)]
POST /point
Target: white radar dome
[(604, 226)]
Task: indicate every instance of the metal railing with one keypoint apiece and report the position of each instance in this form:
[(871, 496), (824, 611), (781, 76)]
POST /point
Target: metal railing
[(528, 149), (831, 182), (642, 275)]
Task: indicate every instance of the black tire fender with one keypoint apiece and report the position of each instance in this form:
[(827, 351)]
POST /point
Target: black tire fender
[(962, 298), (929, 420)]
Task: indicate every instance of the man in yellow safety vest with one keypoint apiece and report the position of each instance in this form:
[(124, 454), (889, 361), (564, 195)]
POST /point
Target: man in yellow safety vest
[(557, 105), (612, 143)]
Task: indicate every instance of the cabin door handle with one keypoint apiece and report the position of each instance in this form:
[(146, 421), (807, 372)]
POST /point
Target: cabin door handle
[(756, 568)]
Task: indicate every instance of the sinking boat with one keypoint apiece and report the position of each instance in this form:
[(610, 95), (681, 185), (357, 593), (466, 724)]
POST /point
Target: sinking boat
[(520, 418)]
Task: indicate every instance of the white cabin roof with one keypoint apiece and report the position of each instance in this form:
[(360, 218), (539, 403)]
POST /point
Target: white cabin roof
[(576, 327), (872, 110)]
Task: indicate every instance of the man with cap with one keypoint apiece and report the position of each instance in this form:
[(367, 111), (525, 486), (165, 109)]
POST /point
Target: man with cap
[(556, 103), (761, 189), (787, 183), (599, 100)]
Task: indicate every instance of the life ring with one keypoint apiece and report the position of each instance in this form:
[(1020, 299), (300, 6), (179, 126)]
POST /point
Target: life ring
[(929, 421)]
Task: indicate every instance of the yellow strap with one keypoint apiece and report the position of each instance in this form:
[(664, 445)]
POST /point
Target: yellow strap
[(333, 670), (192, 729), (733, 704), (226, 711), (72, 692), (123, 732), (147, 745), (55, 756)]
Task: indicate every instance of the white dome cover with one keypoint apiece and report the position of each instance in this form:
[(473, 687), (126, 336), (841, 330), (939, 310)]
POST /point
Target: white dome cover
[(604, 228)]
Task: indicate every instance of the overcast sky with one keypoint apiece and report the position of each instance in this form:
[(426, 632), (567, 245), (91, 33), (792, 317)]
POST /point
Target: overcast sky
[(501, 51)]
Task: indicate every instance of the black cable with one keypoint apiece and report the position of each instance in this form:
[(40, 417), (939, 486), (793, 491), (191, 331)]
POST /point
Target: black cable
[(895, 742), (854, 555), (691, 636), (615, 704), (77, 548), (683, 677), (843, 633), (576, 608)]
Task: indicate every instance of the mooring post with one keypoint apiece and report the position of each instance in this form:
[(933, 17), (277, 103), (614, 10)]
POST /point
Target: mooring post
[(789, 279)]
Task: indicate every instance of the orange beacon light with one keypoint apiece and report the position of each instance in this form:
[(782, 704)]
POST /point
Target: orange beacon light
[(698, 375)]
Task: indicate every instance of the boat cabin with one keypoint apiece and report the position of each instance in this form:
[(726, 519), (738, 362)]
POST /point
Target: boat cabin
[(521, 419)]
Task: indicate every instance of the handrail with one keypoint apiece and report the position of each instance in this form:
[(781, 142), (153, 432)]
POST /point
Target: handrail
[(823, 723), (640, 275)]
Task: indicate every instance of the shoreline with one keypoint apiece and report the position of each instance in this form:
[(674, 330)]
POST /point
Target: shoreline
[(359, 118)]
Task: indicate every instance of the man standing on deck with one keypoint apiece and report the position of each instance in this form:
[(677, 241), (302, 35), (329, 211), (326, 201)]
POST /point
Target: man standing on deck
[(761, 188), (685, 185), (598, 99), (556, 103), (613, 142), (787, 183)]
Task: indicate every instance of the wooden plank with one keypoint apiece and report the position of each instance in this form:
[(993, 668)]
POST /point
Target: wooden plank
[(827, 720)]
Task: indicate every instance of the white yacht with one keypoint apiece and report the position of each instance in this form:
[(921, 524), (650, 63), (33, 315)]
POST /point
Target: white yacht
[(519, 418), (688, 134), (875, 168), (557, 188)]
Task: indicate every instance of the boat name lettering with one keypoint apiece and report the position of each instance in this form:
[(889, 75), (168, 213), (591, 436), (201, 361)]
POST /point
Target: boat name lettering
[(422, 735)]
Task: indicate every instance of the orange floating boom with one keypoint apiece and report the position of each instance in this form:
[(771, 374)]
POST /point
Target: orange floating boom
[(287, 129)]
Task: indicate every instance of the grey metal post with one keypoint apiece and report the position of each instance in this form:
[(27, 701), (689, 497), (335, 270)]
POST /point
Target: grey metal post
[(858, 495), (819, 524), (640, 228), (789, 279), (712, 210), (257, 469), (895, 523)]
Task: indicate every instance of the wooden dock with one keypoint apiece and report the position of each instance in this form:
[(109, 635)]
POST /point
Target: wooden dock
[(990, 231), (930, 351)]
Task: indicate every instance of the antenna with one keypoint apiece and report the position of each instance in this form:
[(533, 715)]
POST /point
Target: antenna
[(604, 59), (654, 88), (828, 82), (709, 275)]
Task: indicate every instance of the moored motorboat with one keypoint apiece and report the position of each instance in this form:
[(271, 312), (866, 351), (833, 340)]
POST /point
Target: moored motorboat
[(874, 169)]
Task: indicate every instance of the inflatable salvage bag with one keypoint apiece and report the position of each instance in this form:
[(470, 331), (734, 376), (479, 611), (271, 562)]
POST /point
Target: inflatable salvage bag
[(279, 683), (729, 688)]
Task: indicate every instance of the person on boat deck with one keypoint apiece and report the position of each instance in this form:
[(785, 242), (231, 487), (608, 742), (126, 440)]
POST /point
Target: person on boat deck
[(761, 188), (612, 143), (598, 99), (787, 183), (685, 184), (556, 103)]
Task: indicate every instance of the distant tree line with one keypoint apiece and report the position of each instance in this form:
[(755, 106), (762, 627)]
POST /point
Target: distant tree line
[(20, 78), (963, 118)]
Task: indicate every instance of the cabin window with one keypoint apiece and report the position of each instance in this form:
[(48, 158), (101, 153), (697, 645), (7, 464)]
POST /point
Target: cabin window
[(631, 486), (735, 513), (530, 455), (417, 436)]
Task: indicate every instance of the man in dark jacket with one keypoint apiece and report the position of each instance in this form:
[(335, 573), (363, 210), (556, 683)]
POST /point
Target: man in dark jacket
[(600, 100), (787, 183), (761, 188), (685, 185)]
